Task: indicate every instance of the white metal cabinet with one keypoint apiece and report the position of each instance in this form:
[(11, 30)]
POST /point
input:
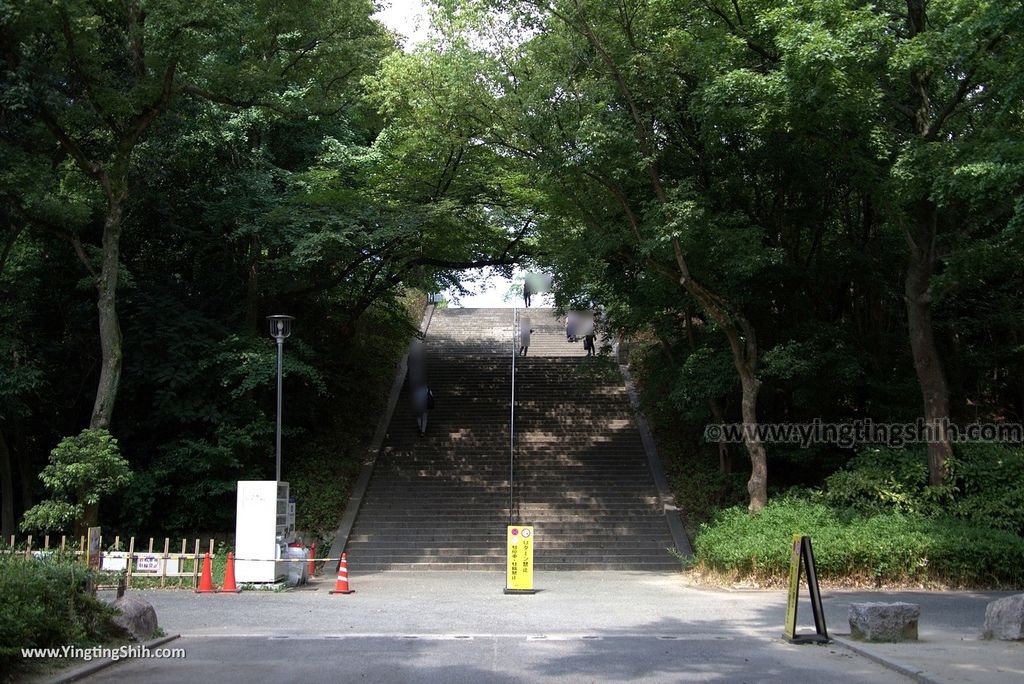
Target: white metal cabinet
[(262, 529)]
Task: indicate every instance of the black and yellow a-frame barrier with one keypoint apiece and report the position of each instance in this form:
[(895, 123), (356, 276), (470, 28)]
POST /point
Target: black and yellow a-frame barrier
[(803, 557)]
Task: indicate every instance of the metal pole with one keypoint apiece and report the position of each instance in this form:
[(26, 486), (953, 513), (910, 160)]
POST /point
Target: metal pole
[(280, 347), (512, 413)]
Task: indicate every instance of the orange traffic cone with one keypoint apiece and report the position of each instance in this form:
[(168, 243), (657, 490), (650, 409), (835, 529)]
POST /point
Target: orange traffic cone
[(229, 576), (206, 581), (311, 569), (341, 586)]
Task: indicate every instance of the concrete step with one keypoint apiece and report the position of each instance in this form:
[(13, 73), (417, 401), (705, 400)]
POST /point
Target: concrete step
[(399, 529), (448, 547), (496, 536), (547, 565), (495, 524), (590, 503), (441, 501)]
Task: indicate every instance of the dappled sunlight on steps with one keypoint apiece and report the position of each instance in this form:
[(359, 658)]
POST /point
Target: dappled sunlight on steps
[(440, 501)]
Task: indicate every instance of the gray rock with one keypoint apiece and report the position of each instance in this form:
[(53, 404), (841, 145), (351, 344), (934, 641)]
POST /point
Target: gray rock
[(1004, 619), (137, 617), (884, 621)]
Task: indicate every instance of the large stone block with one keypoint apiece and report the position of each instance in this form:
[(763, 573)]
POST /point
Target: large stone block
[(1004, 619), (884, 621), (137, 617)]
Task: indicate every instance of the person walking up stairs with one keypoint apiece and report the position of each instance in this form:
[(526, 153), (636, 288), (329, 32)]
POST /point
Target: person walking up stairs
[(440, 502)]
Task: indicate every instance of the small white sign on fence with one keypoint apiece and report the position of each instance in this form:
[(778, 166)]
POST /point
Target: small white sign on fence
[(115, 561), (150, 562)]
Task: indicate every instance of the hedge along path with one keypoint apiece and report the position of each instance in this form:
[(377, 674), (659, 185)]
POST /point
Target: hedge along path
[(892, 549)]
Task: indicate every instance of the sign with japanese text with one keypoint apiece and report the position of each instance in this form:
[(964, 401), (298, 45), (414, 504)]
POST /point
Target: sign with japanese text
[(519, 570)]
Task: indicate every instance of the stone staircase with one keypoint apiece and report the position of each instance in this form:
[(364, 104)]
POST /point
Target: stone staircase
[(441, 501)]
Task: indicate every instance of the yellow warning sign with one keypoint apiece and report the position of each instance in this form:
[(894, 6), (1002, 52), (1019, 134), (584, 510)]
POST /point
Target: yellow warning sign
[(519, 571)]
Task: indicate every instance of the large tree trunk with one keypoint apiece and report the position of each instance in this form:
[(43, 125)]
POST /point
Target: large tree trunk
[(90, 515), (6, 491), (744, 350), (106, 305), (757, 485), (90, 518), (927, 361), (742, 343), (27, 475), (921, 234)]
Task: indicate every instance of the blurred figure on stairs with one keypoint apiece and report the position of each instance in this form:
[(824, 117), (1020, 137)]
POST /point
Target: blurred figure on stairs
[(524, 335), (570, 326), (422, 402), (419, 392), (417, 364)]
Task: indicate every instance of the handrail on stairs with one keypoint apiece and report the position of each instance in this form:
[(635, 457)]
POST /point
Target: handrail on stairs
[(512, 416)]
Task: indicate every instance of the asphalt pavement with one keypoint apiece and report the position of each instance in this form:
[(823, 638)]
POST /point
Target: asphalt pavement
[(580, 627)]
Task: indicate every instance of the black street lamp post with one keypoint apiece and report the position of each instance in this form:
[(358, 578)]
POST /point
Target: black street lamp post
[(280, 328)]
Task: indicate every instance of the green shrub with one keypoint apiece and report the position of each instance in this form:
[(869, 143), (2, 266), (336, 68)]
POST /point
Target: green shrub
[(885, 480), (990, 483), (701, 488), (888, 547), (82, 470), (43, 603), (321, 483), (985, 485)]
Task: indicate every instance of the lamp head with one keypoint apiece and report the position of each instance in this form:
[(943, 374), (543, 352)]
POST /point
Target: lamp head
[(280, 326)]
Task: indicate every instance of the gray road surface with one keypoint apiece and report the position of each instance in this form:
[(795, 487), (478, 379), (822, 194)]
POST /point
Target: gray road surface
[(485, 660), (581, 627)]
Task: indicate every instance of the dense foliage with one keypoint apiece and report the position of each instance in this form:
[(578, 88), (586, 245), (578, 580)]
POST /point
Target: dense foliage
[(82, 470), (985, 486), (794, 211), (804, 209), (45, 605), (172, 173), (879, 520), (903, 548)]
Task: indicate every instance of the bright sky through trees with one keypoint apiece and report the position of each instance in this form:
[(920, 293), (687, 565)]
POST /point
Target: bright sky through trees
[(407, 17)]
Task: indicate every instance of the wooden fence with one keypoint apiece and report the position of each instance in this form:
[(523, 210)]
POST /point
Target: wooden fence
[(132, 560)]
